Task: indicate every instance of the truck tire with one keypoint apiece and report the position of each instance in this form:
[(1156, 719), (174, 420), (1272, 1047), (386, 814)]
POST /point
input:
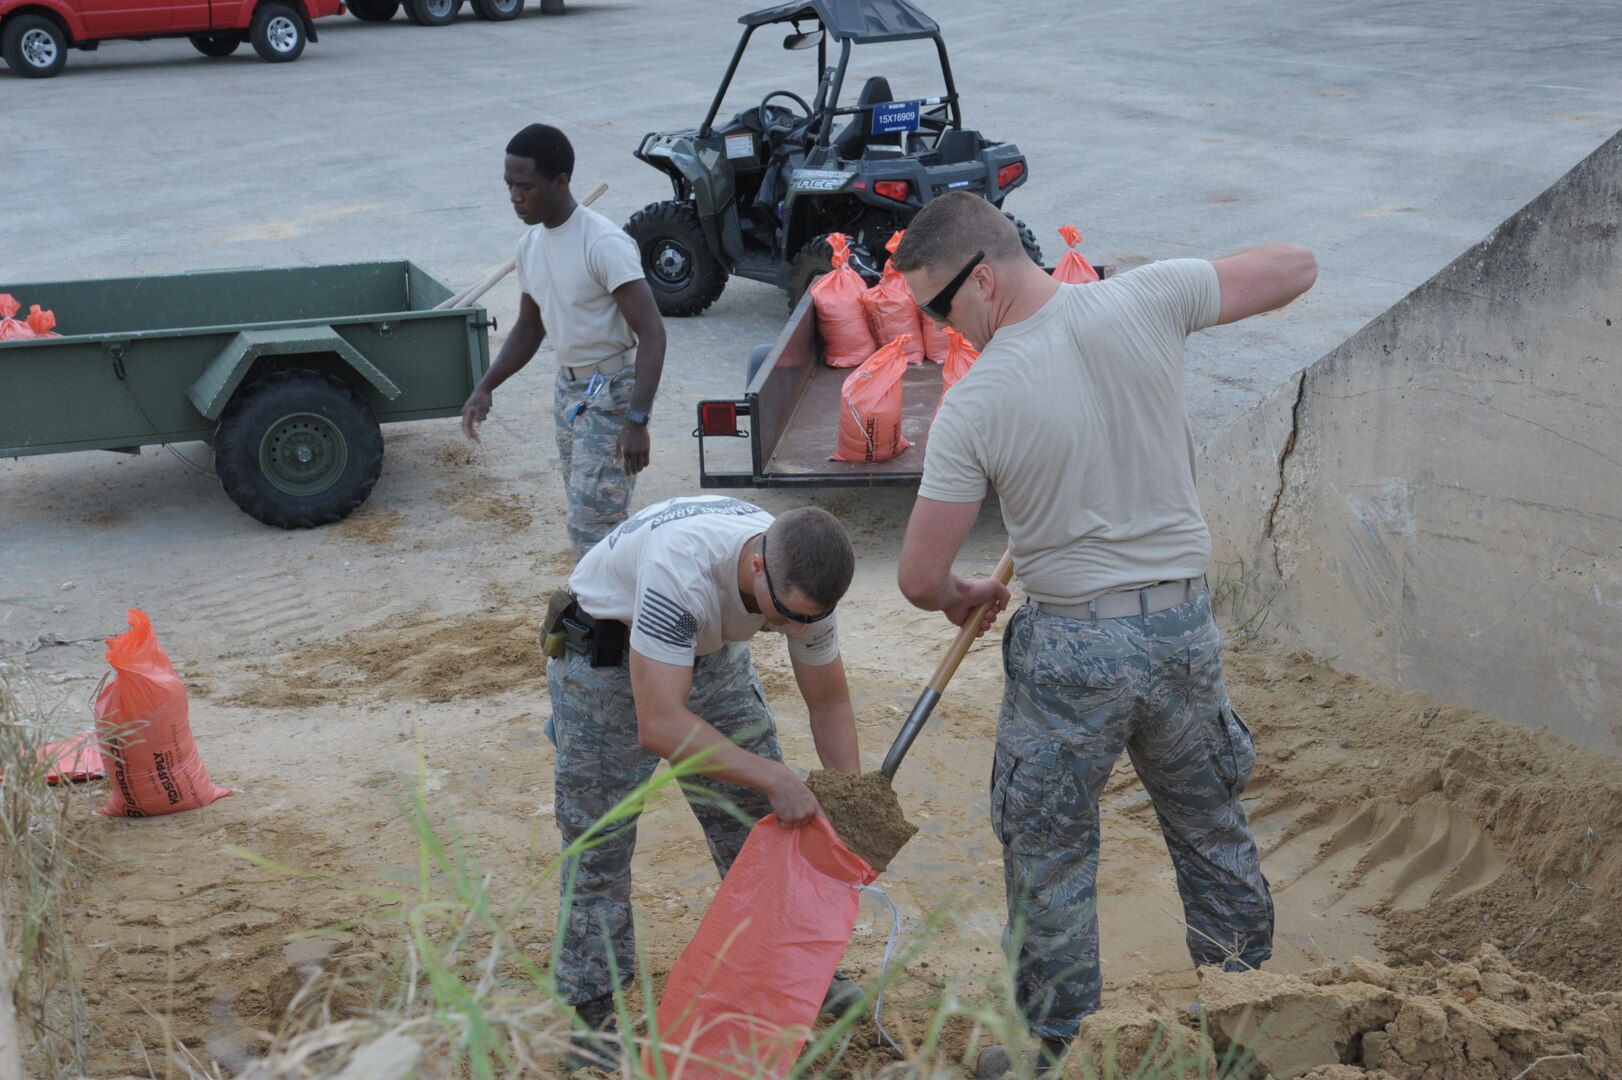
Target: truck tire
[(374, 10), (34, 47), (684, 273), (277, 33), (1026, 237), (297, 449), (432, 12), (498, 10), (814, 260), (215, 44)]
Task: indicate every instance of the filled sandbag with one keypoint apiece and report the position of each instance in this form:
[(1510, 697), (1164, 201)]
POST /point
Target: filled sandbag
[(847, 338), (42, 323), (870, 407), (960, 356), (11, 327), (1073, 269), (891, 310)]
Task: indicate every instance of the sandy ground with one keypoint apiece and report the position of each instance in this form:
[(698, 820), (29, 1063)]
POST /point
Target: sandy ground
[(326, 668)]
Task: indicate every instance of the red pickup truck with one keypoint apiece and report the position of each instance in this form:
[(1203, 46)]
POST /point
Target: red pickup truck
[(35, 35)]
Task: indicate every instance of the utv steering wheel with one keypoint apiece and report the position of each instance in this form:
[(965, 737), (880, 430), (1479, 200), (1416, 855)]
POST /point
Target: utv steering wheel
[(764, 111)]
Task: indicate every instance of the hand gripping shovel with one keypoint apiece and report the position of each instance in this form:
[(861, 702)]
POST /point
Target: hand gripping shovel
[(936, 686)]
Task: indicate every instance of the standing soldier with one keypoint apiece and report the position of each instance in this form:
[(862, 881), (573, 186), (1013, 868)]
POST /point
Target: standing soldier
[(1074, 414), (582, 283)]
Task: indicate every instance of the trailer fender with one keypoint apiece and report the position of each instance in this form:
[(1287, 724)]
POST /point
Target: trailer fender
[(220, 379)]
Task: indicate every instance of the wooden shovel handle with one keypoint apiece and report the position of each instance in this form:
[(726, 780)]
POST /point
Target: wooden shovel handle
[(488, 282), (968, 631)]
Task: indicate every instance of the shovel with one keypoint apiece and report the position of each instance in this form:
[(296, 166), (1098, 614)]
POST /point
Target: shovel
[(936, 686), (488, 282)]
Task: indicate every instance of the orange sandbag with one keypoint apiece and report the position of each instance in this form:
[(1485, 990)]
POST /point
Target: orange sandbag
[(41, 322), (847, 338), (144, 731), (12, 328), (1073, 269), (891, 310), (870, 407), (742, 997), (936, 343), (71, 759)]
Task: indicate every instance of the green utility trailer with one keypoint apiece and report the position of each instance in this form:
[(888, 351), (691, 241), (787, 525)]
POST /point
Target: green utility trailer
[(286, 373)]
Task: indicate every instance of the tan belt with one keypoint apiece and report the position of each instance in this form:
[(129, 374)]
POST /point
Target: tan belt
[(613, 365), (1129, 602)]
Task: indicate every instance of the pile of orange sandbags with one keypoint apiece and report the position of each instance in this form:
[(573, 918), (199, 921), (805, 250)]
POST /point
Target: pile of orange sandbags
[(1073, 269), (38, 323), (841, 319)]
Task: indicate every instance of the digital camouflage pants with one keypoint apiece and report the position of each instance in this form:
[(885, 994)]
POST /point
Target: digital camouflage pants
[(600, 762), (1077, 693), (595, 485)]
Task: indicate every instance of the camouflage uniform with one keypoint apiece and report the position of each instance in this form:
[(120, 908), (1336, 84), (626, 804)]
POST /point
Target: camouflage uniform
[(599, 762), (595, 485), (1077, 693)]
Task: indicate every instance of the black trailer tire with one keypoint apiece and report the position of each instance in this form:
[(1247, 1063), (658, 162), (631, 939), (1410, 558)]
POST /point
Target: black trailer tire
[(34, 46), (215, 44), (498, 10), (374, 10), (277, 33), (814, 259), (297, 449), (1026, 237), (432, 12), (685, 275)]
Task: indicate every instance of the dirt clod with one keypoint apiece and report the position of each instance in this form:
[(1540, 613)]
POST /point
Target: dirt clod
[(865, 813)]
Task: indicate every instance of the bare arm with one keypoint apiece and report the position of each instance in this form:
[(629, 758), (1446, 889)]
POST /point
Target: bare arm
[(1263, 278), (519, 348), (833, 721), (636, 303), (935, 534), (666, 726)]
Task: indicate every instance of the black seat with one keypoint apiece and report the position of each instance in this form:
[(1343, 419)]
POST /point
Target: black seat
[(853, 137), (958, 145)]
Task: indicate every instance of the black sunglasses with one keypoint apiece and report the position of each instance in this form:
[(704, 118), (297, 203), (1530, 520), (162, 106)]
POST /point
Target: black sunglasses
[(940, 306), (778, 604)]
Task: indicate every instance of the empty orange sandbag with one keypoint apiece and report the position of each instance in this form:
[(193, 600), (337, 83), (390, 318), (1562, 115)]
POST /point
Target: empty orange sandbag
[(891, 310), (11, 328), (841, 320), (1073, 269), (144, 731), (870, 407), (41, 322), (742, 997), (960, 356)]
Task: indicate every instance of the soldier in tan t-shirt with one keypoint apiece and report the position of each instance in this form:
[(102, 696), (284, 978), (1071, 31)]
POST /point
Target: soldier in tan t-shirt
[(1074, 415)]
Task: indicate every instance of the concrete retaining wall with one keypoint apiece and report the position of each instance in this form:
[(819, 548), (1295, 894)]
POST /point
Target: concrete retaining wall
[(1438, 501)]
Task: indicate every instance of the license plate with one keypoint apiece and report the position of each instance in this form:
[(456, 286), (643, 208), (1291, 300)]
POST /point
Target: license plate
[(894, 116)]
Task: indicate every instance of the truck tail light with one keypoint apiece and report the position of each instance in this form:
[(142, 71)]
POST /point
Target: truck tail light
[(1010, 173), (718, 418), (893, 189)]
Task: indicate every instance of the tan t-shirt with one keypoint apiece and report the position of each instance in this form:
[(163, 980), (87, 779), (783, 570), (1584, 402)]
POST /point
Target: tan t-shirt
[(1075, 417), (571, 273)]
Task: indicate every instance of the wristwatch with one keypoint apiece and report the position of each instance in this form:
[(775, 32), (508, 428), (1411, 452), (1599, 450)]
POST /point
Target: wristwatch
[(637, 417)]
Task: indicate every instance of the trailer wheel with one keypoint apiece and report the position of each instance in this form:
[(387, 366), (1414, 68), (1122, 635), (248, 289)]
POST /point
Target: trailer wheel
[(215, 44), (297, 449), (374, 10), (34, 47), (684, 273), (277, 33), (498, 10), (432, 12), (1026, 237)]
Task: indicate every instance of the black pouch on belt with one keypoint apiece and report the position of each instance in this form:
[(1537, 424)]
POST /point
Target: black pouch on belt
[(608, 643)]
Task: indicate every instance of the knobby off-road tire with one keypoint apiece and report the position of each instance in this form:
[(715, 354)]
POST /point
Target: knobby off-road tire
[(297, 449), (813, 260), (34, 46), (498, 10), (374, 10), (432, 12), (215, 44), (1026, 237), (277, 33), (683, 272)]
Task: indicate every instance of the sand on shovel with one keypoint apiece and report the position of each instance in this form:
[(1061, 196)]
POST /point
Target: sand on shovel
[(865, 813)]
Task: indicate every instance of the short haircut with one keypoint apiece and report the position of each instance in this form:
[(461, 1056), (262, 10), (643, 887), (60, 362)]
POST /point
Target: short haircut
[(547, 147), (951, 228), (811, 551)]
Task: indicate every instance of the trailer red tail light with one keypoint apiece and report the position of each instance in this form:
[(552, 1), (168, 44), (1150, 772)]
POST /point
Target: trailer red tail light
[(718, 418), (893, 189), (1009, 173)]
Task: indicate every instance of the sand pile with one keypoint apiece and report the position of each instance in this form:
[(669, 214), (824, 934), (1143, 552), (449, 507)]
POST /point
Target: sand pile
[(865, 813)]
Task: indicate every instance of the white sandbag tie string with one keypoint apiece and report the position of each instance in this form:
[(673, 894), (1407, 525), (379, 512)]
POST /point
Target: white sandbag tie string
[(889, 950)]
